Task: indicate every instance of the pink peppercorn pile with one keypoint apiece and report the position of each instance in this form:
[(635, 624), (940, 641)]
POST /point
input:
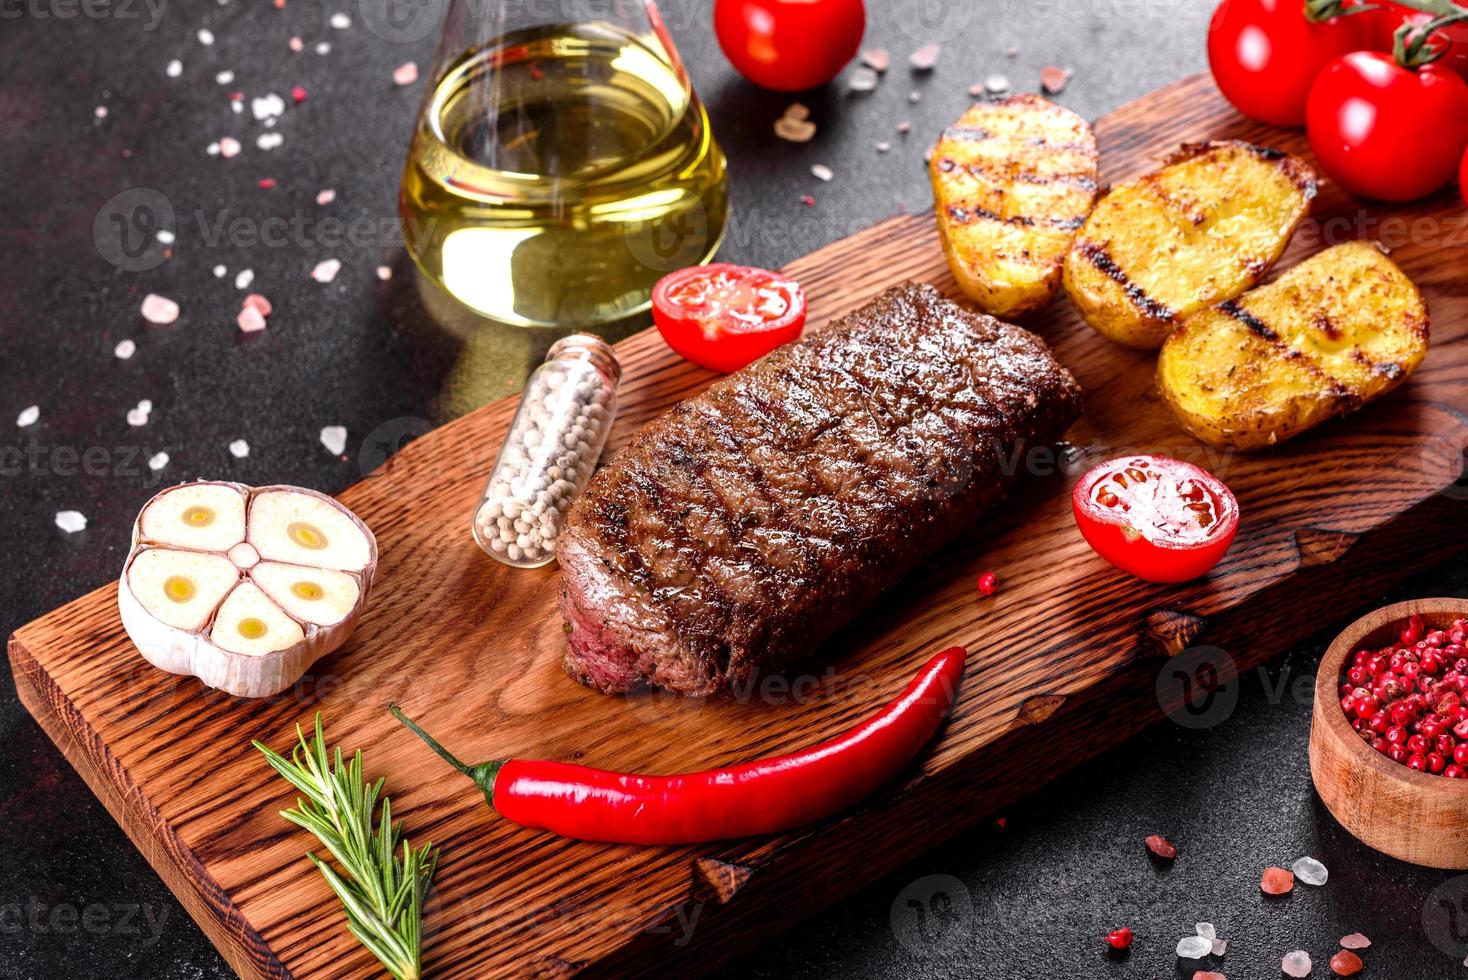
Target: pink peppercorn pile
[(1409, 700)]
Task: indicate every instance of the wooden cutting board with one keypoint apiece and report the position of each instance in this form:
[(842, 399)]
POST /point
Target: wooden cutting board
[(1065, 662)]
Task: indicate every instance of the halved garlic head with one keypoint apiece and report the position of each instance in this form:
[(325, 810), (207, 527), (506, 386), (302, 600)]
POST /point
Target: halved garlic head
[(244, 588)]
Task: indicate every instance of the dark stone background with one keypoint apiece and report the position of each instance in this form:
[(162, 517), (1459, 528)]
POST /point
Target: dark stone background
[(1029, 901)]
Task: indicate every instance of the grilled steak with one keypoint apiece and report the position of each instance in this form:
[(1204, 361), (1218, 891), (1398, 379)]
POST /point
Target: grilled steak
[(741, 528)]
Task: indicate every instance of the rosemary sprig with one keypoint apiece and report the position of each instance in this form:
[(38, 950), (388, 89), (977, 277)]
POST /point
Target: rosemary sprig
[(382, 894)]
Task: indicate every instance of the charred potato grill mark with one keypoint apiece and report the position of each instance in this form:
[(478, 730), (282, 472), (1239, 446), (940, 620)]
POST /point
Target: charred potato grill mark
[(1336, 331), (1012, 182), (1201, 230)]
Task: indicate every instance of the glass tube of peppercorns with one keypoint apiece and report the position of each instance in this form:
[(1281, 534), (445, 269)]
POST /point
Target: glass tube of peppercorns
[(554, 441)]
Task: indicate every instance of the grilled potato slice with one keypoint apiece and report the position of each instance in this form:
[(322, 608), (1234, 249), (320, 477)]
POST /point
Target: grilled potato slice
[(1201, 230), (1012, 181), (1329, 335)]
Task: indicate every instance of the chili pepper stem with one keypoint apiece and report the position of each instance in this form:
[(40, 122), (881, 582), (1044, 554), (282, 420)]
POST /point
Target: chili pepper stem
[(483, 774)]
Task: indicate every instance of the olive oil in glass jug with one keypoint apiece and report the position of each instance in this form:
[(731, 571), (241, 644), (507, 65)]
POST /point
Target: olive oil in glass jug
[(559, 169)]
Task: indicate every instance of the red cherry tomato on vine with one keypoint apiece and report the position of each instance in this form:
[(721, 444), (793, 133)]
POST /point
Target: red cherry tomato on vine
[(1392, 16), (789, 45), (1265, 53), (1159, 518), (723, 316), (1385, 131)]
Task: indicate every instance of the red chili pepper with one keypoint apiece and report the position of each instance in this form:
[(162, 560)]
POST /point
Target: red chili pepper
[(754, 798)]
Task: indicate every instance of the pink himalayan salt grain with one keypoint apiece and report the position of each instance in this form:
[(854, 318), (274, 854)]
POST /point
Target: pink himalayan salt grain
[(229, 146), (1276, 881), (326, 271), (384, 272), (406, 73), (257, 302), (1355, 941), (159, 309), (1346, 964), (1053, 80), (250, 320), (1208, 975), (877, 59), (298, 94), (1296, 964), (326, 196), (296, 44)]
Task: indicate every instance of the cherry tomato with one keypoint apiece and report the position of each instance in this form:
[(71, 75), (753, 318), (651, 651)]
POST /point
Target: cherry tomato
[(723, 316), (1158, 518), (789, 45), (1385, 131), (1463, 178), (1391, 16), (1265, 53)]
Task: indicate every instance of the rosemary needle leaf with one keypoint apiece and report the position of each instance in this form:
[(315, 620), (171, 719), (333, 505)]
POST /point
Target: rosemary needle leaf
[(381, 893)]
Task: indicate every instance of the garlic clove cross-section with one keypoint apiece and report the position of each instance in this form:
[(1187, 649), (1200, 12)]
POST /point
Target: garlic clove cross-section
[(244, 588)]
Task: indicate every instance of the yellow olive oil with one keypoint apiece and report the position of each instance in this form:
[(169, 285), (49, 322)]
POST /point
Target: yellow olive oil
[(558, 173)]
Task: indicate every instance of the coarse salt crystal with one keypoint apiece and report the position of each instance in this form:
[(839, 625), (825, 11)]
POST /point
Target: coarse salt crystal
[(863, 80), (265, 106), (100, 112), (71, 521), (243, 278), (269, 141), (925, 58), (323, 47), (239, 449), (157, 461), (206, 36), (296, 44), (1310, 871), (384, 272), (166, 237), (797, 110), (340, 21), (259, 303), (1296, 964), (137, 416), (406, 73), (822, 172), (334, 438), (159, 309), (326, 196), (250, 320), (326, 271), (904, 127), (1276, 881), (229, 147), (28, 416), (997, 83), (174, 69), (914, 96), (883, 146), (1193, 947), (1355, 941), (224, 77), (220, 272), (976, 91), (1053, 80), (1220, 947), (124, 349), (1206, 930), (877, 59)]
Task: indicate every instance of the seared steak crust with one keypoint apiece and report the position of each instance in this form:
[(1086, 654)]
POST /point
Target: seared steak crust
[(740, 529)]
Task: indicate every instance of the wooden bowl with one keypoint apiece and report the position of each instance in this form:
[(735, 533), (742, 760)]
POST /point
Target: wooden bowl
[(1413, 816)]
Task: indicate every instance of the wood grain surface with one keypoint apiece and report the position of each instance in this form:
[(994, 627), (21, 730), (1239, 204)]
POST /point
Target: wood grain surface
[(1065, 662), (1413, 816)]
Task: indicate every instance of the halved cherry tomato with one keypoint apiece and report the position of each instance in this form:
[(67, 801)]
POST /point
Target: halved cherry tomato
[(1159, 518), (1384, 131), (1265, 53), (789, 45), (723, 316)]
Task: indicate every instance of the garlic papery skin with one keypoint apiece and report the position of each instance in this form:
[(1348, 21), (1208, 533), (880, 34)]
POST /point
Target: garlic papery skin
[(244, 588)]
